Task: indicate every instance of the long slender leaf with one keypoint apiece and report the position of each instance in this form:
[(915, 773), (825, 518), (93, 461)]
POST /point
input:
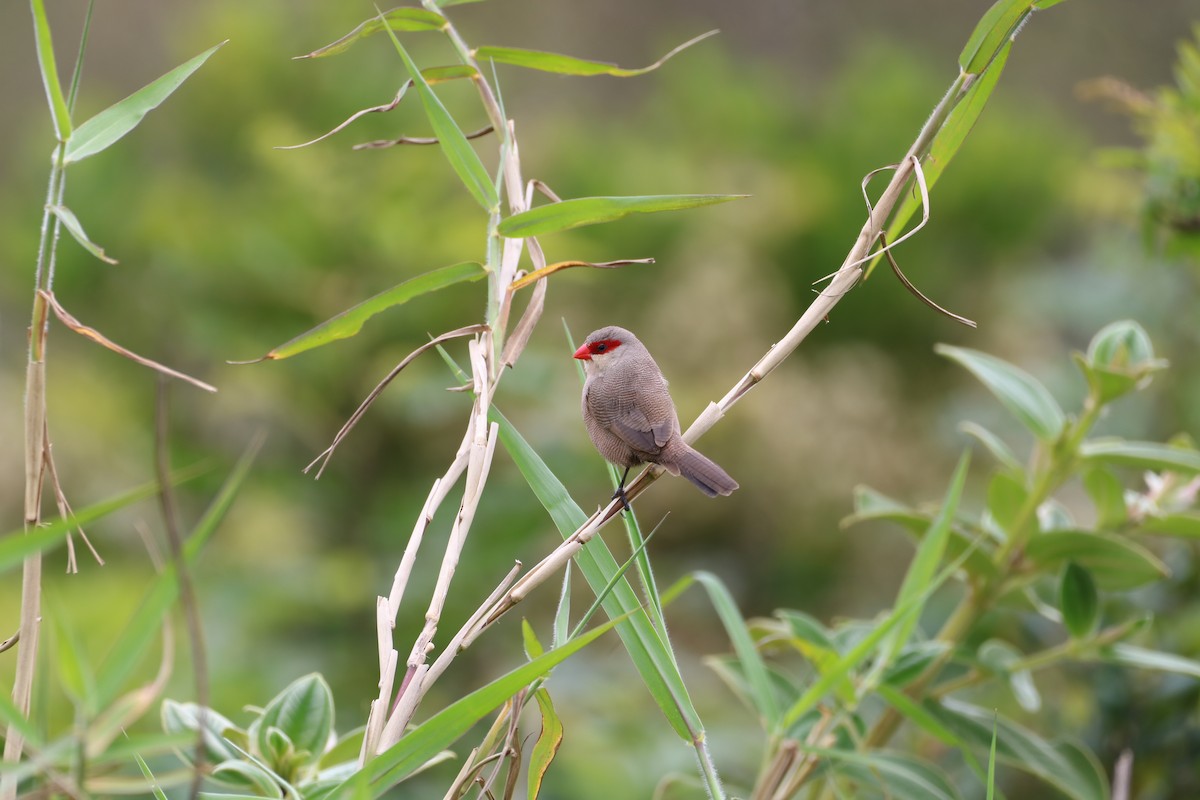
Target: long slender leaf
[(398, 19), (1142, 455), (1028, 400), (453, 142), (1115, 562), (114, 122), (647, 651), (75, 228), (442, 729), (1143, 658), (570, 65), (350, 322), (59, 113), (903, 777), (924, 566), (131, 646), (16, 545), (761, 690), (581, 211), (996, 26), (546, 746)]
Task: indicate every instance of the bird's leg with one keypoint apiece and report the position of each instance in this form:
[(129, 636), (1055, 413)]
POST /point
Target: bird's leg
[(620, 492)]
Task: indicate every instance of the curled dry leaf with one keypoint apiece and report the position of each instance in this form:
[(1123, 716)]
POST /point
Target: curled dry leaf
[(550, 269), (91, 333), (378, 144)]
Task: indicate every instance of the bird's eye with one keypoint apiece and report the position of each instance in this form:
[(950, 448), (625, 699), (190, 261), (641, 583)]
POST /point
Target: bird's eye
[(600, 348)]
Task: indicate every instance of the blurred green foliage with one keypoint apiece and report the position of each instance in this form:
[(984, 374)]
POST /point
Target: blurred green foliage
[(229, 247)]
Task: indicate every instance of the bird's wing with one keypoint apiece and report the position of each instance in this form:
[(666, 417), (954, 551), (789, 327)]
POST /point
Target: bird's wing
[(635, 430)]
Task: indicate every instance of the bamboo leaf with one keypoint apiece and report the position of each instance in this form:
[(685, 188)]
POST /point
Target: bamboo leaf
[(546, 746), (120, 118), (1026, 398), (59, 114), (75, 228), (581, 211), (453, 142), (761, 691), (996, 27), (570, 65), (398, 19), (442, 729), (350, 322)]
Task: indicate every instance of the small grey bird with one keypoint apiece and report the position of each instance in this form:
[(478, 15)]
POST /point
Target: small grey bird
[(630, 416)]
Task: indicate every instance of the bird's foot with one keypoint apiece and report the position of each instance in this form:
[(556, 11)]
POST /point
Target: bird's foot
[(620, 494)]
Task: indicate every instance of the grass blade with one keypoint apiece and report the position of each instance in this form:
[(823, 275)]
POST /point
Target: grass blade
[(581, 211), (114, 122), (398, 19), (570, 65), (75, 228), (59, 113)]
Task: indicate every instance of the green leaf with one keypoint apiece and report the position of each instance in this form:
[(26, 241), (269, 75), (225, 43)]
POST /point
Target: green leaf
[(1063, 765), (999, 657), (187, 718), (1141, 455), (1115, 562), (350, 322), (247, 775), (546, 746), (303, 712), (570, 65), (75, 228), (59, 114), (646, 649), (912, 662), (899, 776), (131, 646), (442, 729), (581, 211), (996, 28), (398, 19), (10, 715), (452, 141), (1019, 392), (1108, 495), (1079, 601), (919, 716), (1122, 345), (991, 776), (346, 749), (74, 667), (923, 570), (1142, 658), (1005, 498), (17, 545), (761, 691), (996, 446), (159, 794), (533, 648), (120, 118), (1185, 525)]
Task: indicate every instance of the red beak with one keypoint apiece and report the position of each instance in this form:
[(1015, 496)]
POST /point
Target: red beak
[(583, 354)]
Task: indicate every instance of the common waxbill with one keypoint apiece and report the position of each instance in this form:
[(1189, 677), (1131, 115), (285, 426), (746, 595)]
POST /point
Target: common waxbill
[(630, 416)]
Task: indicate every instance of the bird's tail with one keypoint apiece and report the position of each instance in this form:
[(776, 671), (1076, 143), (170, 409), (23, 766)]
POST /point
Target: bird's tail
[(699, 469)]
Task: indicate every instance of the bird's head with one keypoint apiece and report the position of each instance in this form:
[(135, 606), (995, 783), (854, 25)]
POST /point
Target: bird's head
[(605, 346)]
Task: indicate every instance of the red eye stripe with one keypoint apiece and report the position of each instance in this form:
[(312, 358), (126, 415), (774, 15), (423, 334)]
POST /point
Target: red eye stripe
[(603, 346)]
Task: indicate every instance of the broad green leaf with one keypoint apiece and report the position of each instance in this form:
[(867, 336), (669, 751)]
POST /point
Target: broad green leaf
[(442, 729), (1185, 525), (131, 646), (948, 139), (17, 545), (346, 749), (533, 648), (1079, 601), (398, 19), (1141, 455), (187, 718), (59, 114), (350, 322), (581, 211), (119, 119), (546, 746), (75, 228), (995, 28), (923, 570), (1115, 562), (570, 65), (1005, 498), (743, 645), (999, 657), (1063, 765), (247, 775), (453, 143), (898, 775), (1108, 495), (1027, 399), (1142, 658), (303, 712), (646, 649), (994, 445)]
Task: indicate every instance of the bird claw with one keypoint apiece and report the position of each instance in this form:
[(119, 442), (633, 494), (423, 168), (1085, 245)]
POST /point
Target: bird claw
[(620, 494)]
